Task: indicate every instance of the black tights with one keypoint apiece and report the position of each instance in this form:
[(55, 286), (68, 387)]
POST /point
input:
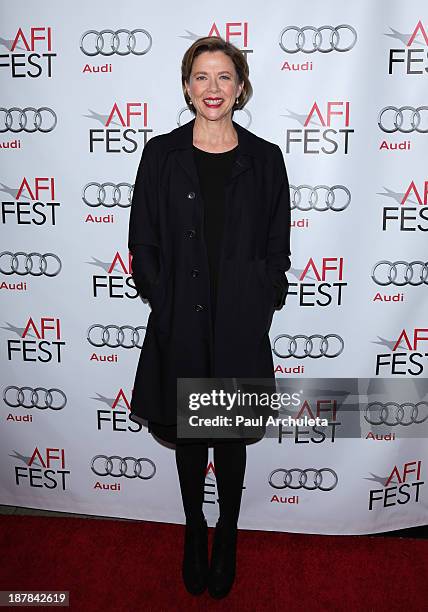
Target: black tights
[(229, 462)]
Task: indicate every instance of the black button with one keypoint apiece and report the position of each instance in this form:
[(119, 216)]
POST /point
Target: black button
[(191, 195), (195, 272), (198, 307), (191, 233)]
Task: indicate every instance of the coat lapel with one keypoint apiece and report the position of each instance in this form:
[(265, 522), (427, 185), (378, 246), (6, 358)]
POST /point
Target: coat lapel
[(187, 162), (242, 163)]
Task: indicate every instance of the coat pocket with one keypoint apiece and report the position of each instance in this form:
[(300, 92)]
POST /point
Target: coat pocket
[(162, 306), (160, 292), (258, 295), (270, 289)]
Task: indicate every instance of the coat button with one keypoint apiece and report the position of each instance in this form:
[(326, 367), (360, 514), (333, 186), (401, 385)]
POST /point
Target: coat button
[(195, 272), (198, 307), (191, 233), (191, 195)]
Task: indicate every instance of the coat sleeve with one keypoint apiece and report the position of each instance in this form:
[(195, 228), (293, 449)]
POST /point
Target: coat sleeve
[(278, 248), (144, 234)]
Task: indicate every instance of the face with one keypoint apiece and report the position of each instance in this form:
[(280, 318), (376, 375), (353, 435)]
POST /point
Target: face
[(213, 86)]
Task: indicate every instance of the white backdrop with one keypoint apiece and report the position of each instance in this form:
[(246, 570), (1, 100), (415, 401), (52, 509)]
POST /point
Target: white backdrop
[(105, 107)]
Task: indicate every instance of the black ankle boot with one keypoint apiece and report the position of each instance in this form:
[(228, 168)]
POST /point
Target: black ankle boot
[(223, 561), (195, 558)]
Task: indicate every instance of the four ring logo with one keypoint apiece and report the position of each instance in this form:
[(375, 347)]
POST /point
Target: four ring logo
[(398, 412), (326, 343), (41, 398), (315, 194), (310, 479), (43, 119), (114, 336), (394, 120), (409, 272), (93, 42), (324, 39), (117, 198), (35, 264), (136, 468)]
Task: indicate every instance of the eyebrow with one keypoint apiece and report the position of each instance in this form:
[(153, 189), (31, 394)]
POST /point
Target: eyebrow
[(221, 72)]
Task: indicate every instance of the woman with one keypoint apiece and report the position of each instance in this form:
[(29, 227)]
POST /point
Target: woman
[(210, 238)]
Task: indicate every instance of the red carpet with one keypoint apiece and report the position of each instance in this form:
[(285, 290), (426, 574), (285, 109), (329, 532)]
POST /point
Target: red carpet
[(135, 567)]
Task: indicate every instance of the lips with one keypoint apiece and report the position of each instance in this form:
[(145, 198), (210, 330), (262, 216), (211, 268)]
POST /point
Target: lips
[(213, 102)]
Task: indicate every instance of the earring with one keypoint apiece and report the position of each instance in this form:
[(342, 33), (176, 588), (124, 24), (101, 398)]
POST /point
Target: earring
[(190, 102)]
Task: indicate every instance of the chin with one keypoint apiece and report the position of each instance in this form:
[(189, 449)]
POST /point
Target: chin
[(214, 116)]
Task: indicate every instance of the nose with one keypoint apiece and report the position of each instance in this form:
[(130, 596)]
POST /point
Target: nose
[(213, 85)]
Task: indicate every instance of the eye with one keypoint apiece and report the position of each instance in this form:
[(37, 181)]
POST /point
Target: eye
[(201, 76), (226, 77)]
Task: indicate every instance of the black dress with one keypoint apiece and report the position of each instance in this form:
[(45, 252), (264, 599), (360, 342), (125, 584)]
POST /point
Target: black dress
[(213, 171)]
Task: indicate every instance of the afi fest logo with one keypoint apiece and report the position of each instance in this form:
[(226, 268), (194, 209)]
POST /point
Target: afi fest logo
[(330, 133), (116, 282), (124, 128), (210, 485), (401, 487), (235, 32), (115, 413), (412, 59), (408, 211), (32, 203), (320, 283), (38, 341), (28, 54), (44, 468), (325, 408), (408, 355)]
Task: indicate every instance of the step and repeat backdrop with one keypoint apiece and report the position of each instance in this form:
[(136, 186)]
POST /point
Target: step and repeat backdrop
[(342, 89)]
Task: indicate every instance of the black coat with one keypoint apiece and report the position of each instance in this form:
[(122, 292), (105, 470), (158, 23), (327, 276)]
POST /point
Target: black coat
[(170, 267)]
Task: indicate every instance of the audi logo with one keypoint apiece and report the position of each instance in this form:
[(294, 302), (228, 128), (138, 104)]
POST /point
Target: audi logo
[(99, 198), (316, 42), (316, 194), (396, 412), (35, 264), (324, 479), (410, 270), (396, 118), (137, 467), (112, 41), (41, 398), (326, 343), (114, 336), (26, 115)]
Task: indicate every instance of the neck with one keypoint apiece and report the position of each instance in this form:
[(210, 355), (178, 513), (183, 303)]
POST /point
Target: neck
[(218, 134)]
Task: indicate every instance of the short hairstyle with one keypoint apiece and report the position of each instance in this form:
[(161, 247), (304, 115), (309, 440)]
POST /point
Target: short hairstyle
[(216, 43)]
